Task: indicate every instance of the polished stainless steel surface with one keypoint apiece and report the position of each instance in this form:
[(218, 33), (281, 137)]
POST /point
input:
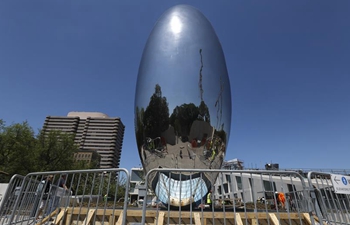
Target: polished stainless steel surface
[(183, 96)]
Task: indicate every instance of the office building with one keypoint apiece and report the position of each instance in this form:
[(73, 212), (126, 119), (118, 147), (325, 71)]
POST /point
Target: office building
[(93, 131)]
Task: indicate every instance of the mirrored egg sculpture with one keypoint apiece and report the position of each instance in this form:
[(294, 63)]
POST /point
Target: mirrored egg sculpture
[(182, 105)]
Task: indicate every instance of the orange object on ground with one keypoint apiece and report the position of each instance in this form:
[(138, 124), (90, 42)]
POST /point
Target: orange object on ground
[(281, 199)]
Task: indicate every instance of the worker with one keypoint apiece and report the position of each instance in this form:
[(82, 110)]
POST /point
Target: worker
[(209, 200)]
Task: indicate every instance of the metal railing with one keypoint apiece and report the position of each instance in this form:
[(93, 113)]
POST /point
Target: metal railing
[(91, 196), (238, 197), (10, 197), (241, 197), (332, 207)]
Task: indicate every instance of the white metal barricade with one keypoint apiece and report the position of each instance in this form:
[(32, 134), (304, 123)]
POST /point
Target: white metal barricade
[(330, 205)]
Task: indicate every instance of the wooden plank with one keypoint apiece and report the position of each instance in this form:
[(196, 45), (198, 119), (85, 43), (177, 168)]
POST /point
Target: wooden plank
[(111, 218), (60, 216), (287, 216), (49, 216), (238, 219), (120, 219), (258, 216), (160, 219), (197, 219), (307, 217), (89, 216), (264, 216), (274, 218), (138, 213), (318, 221), (69, 218), (99, 211), (175, 214), (185, 214), (254, 222)]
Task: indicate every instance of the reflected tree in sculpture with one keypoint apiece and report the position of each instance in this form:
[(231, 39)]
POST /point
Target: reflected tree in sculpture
[(156, 117)]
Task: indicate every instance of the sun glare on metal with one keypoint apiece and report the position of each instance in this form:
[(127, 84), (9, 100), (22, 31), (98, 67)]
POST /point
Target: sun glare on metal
[(175, 25)]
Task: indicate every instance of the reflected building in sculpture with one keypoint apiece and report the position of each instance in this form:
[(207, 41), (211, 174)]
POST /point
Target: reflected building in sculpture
[(182, 104)]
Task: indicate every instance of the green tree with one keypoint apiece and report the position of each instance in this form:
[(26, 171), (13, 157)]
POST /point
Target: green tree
[(21, 152), (56, 151), (17, 148)]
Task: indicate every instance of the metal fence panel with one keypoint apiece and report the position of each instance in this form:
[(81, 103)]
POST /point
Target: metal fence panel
[(332, 207), (246, 197), (92, 196), (10, 197), (240, 197)]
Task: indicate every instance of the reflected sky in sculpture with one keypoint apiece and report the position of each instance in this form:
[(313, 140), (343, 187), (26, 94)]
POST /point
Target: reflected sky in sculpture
[(183, 96)]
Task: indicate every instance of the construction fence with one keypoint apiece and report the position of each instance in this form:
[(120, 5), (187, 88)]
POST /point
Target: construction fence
[(248, 197)]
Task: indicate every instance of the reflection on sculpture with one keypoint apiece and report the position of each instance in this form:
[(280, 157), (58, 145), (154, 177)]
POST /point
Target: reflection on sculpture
[(182, 83)]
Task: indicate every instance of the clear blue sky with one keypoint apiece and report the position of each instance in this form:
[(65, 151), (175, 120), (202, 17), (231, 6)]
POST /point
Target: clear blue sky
[(288, 62)]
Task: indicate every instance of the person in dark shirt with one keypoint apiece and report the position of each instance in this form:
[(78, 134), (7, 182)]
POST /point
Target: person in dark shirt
[(46, 186), (62, 182), (59, 190)]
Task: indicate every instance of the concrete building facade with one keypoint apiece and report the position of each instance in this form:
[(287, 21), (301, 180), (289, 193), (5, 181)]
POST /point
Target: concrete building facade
[(93, 131)]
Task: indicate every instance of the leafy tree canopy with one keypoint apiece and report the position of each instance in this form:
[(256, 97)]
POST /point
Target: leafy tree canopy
[(23, 152), (156, 116)]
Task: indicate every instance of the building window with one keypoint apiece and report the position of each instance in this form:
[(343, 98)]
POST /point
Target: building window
[(226, 188), (239, 183), (270, 188), (228, 178), (219, 191)]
